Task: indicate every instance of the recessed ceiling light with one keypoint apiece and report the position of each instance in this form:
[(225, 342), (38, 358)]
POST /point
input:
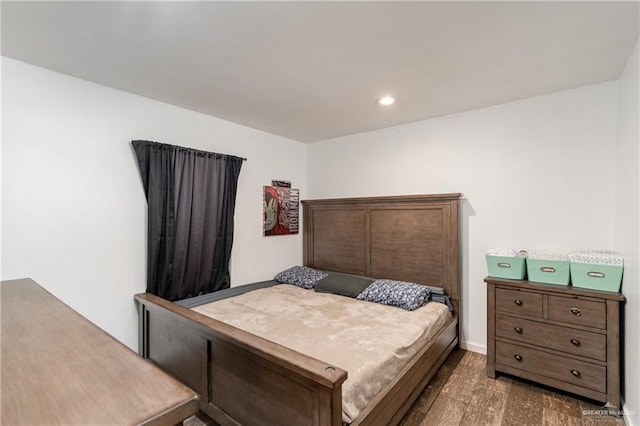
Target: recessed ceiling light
[(386, 100)]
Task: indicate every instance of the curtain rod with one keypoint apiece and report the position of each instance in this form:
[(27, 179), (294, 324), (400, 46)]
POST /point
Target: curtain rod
[(183, 147)]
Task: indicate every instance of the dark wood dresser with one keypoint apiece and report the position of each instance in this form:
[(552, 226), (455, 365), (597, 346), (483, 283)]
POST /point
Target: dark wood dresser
[(564, 337)]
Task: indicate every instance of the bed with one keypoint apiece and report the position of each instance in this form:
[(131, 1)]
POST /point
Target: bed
[(246, 379)]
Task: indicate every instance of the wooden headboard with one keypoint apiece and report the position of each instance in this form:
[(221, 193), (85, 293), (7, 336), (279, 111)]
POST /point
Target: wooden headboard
[(412, 238)]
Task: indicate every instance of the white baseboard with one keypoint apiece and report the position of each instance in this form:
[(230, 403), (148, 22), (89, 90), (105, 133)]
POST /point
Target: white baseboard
[(474, 347), (626, 414)]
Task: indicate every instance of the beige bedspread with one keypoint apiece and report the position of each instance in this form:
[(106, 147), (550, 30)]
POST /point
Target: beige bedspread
[(372, 342)]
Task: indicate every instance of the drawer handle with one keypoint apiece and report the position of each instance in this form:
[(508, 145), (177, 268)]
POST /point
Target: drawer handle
[(518, 330), (519, 358), (504, 265), (576, 342), (575, 311), (576, 373), (595, 274), (547, 269), (518, 302)]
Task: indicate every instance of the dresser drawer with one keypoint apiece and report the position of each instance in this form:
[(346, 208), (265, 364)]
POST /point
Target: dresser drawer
[(565, 339), (519, 302), (578, 311), (557, 367)]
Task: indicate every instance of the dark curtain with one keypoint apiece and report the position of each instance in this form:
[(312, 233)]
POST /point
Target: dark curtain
[(191, 197)]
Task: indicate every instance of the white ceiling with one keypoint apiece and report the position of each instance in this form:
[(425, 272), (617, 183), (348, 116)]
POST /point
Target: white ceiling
[(311, 71)]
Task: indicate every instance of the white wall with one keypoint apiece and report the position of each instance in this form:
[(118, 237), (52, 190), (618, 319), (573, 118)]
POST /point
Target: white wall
[(534, 173), (627, 227), (73, 206)]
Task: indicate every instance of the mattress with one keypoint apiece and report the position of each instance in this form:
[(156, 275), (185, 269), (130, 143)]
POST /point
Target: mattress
[(372, 342)]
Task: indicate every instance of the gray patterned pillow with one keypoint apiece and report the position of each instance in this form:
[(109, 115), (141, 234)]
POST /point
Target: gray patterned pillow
[(301, 276), (408, 296)]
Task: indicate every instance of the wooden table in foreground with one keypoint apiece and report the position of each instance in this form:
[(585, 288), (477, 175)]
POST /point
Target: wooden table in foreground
[(59, 368)]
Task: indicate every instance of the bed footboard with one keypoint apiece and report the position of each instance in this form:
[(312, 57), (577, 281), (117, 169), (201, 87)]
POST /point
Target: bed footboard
[(241, 378)]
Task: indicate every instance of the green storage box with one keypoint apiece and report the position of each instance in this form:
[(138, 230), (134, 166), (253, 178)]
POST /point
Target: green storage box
[(513, 268), (548, 271), (596, 277)]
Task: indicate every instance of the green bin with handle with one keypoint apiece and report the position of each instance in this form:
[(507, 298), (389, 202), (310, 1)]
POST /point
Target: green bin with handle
[(597, 270), (506, 263), (549, 266)]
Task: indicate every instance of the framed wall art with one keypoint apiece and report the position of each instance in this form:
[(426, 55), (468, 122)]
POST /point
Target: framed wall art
[(281, 211)]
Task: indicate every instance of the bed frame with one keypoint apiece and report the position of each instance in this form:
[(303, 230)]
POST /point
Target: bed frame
[(243, 379)]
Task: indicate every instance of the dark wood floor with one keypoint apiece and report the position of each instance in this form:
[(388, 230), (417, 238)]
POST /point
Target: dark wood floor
[(461, 394)]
